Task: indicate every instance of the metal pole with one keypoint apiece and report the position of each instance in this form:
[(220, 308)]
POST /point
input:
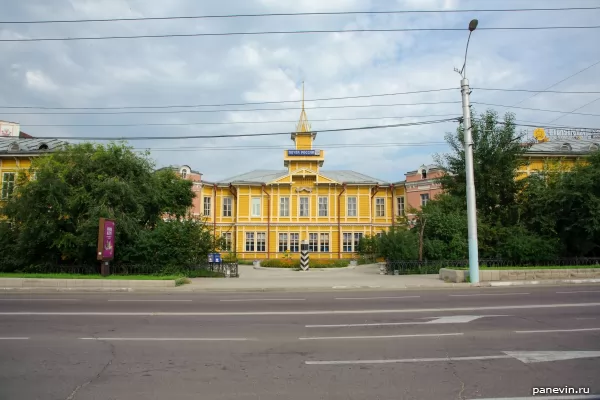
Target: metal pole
[(471, 207)]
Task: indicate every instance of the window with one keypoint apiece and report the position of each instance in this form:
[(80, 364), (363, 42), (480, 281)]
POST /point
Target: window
[(294, 242), (400, 201), (325, 242), (8, 184), (227, 206), (284, 207), (347, 242), (323, 207), (313, 242), (261, 242), (256, 206), (424, 199), (184, 173), (352, 206), (357, 238), (380, 207), (207, 206), (379, 234), (304, 210), (423, 174), (283, 242), (249, 241), (227, 241)]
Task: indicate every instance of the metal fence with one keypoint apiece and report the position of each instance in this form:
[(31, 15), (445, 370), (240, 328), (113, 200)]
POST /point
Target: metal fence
[(229, 269), (405, 267)]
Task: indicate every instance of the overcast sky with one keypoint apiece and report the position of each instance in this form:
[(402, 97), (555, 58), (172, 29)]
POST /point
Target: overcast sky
[(238, 69)]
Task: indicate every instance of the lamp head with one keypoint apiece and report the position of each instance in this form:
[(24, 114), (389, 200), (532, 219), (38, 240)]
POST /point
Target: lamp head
[(473, 25)]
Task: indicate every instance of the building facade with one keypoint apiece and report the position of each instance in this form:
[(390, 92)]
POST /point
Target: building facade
[(266, 214), (17, 150)]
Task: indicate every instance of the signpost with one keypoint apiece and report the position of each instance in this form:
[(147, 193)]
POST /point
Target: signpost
[(106, 244)]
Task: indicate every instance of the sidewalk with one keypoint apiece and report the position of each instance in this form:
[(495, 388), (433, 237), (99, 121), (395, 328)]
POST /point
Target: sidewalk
[(359, 277)]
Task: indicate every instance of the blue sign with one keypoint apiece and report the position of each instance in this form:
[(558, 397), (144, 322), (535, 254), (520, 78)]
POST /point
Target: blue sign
[(302, 152), (214, 257)]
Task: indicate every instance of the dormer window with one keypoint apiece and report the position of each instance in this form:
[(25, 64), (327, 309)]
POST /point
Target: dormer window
[(43, 146), (14, 147), (424, 174), (184, 173), (594, 147), (566, 147)]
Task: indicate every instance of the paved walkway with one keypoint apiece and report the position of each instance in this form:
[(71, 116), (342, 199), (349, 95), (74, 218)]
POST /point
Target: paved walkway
[(360, 277)]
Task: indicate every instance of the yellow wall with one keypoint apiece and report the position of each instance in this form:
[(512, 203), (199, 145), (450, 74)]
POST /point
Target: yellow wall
[(242, 221), (539, 163), (13, 164)]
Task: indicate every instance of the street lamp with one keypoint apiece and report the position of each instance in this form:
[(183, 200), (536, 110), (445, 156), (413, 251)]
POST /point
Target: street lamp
[(468, 146)]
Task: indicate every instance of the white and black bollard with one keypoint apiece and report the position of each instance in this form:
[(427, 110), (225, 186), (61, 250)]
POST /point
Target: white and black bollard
[(304, 256)]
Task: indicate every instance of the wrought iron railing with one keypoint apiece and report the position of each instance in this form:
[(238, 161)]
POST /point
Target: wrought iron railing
[(405, 267)]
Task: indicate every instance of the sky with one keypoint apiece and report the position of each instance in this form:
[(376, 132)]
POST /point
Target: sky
[(258, 68)]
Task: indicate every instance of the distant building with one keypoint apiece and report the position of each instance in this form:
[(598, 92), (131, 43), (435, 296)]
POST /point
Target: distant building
[(187, 173), (420, 186), (17, 150)]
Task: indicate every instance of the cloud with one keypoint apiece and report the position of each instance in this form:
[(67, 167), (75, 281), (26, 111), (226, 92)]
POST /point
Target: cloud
[(256, 68)]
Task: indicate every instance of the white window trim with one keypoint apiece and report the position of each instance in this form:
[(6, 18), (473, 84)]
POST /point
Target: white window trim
[(307, 206), (209, 206), (355, 198), (426, 199), (281, 200), (326, 206), (228, 238), (4, 180), (256, 242), (287, 242), (225, 198), (377, 205), (402, 210), (252, 211)]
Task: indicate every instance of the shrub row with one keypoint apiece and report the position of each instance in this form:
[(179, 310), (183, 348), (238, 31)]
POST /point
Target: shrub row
[(314, 263)]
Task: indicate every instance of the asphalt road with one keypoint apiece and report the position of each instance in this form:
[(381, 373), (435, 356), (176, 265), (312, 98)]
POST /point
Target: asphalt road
[(439, 344)]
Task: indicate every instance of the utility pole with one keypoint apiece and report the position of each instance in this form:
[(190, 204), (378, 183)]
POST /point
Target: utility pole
[(470, 176)]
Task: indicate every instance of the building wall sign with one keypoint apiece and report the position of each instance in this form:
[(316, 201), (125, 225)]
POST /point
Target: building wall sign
[(566, 133), (303, 152)]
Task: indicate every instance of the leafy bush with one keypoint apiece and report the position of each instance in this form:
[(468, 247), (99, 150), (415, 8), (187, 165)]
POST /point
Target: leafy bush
[(314, 263), (521, 246)]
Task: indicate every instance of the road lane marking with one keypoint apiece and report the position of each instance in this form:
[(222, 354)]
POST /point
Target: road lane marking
[(39, 299), (308, 312), (161, 301), (586, 318), (560, 330), (14, 338), (568, 397), (487, 294), (581, 291), (246, 300), (526, 357), (169, 339), (379, 336), (375, 298), (453, 319)]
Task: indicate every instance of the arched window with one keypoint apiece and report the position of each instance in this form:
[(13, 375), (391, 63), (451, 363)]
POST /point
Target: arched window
[(184, 173), (424, 174), (566, 147), (14, 147), (43, 146)]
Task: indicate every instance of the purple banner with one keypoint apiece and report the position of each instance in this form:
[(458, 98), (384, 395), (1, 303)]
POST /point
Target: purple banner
[(108, 251)]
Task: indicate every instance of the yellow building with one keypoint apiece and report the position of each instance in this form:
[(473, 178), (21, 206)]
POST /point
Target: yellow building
[(17, 150), (267, 213), (558, 151)]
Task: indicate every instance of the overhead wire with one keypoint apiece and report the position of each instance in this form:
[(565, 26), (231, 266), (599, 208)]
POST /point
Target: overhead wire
[(297, 14), (536, 109), (360, 128), (297, 32)]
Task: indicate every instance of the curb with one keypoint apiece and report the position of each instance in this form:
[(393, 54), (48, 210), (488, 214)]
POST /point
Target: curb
[(544, 282), (350, 267)]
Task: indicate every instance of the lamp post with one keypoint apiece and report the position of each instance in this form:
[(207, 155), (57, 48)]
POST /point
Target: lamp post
[(468, 146)]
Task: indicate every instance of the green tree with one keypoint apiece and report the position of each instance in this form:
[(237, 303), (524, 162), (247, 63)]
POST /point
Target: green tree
[(497, 156), (55, 216)]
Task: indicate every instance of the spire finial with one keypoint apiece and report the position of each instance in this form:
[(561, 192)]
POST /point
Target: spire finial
[(303, 124), (302, 95)]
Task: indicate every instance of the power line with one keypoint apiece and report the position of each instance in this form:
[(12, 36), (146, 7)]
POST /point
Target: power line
[(214, 34), (230, 104), (559, 82), (235, 122), (234, 110), (297, 15), (576, 109), (245, 134), (534, 91), (267, 147), (537, 109)]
